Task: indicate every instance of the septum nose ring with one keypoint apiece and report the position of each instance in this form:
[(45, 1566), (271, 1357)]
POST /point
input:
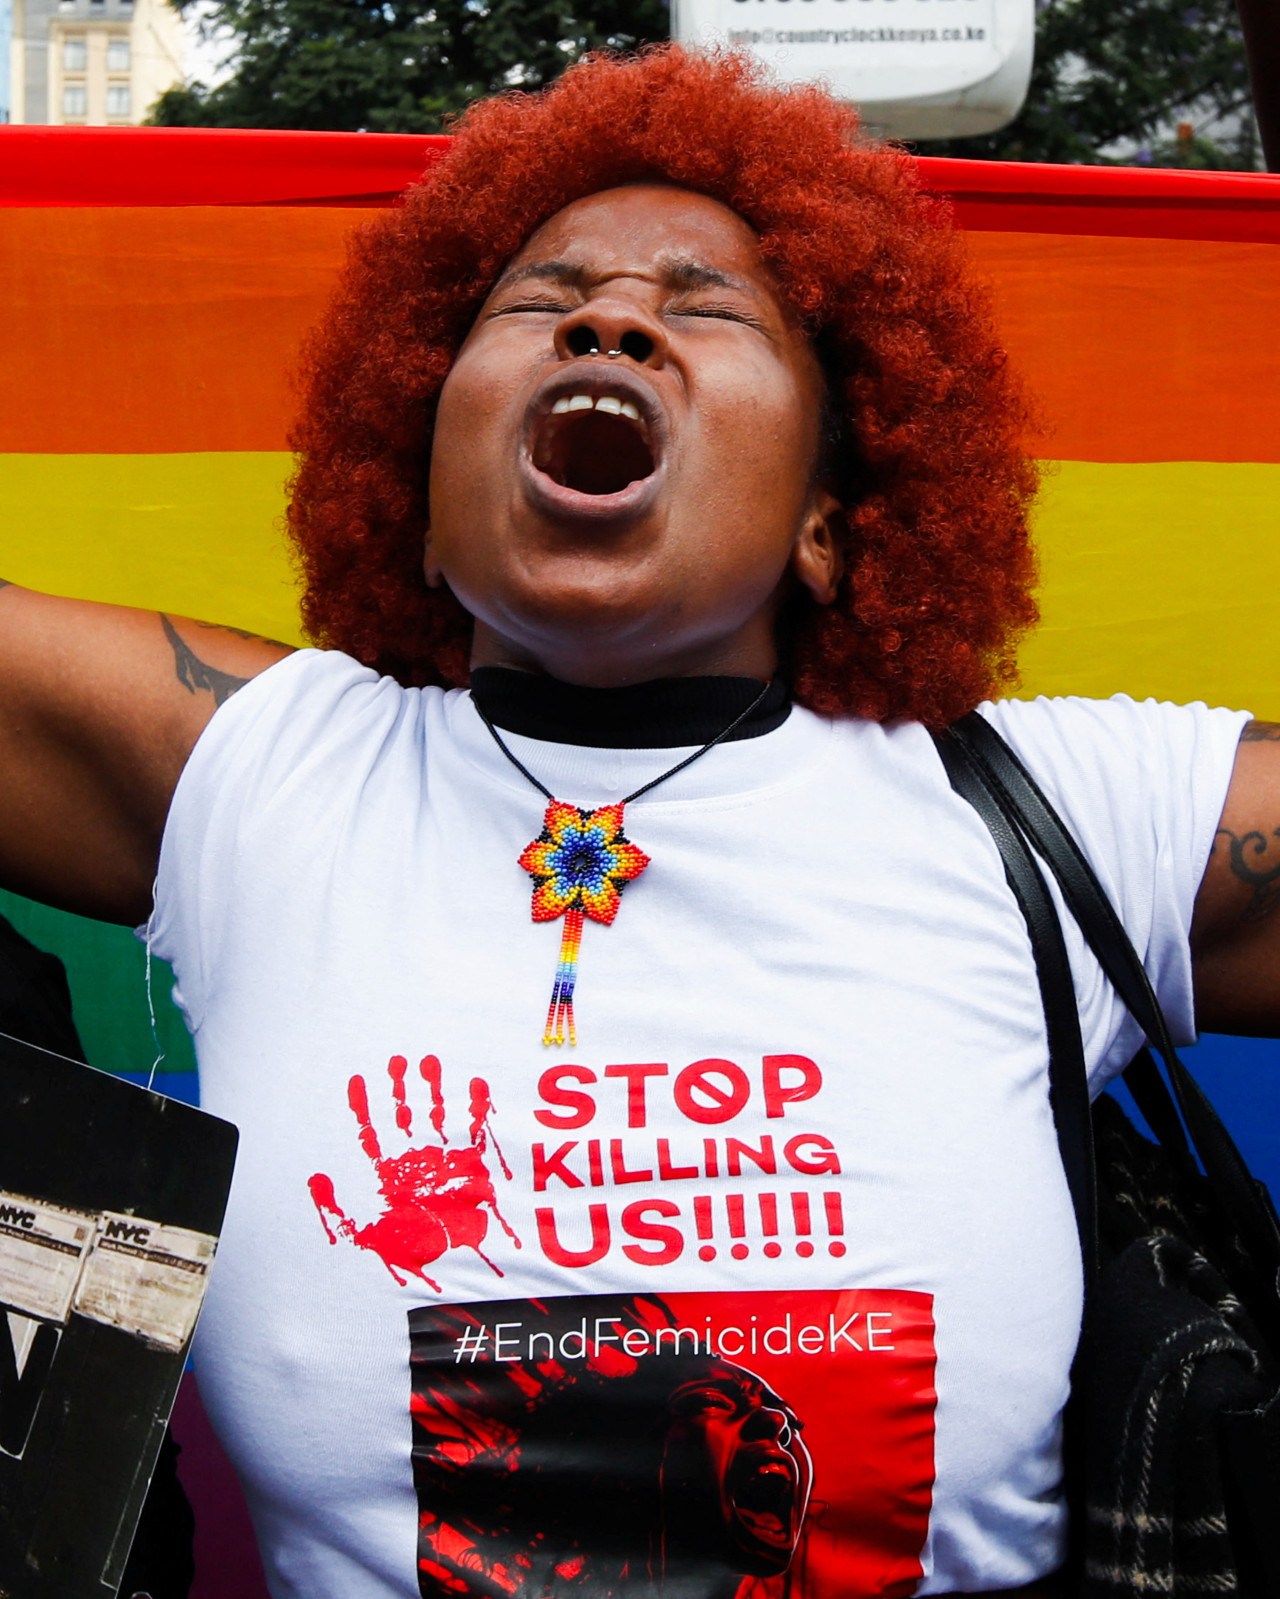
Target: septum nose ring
[(585, 340)]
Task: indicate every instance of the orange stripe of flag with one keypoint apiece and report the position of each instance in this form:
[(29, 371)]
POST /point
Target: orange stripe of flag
[(158, 328), (1142, 349), (175, 329)]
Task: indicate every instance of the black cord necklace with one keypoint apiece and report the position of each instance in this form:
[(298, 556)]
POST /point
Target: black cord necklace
[(580, 863)]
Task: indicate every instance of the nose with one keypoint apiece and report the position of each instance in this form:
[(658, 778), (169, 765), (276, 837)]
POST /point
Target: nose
[(584, 340), (768, 1425), (612, 326)]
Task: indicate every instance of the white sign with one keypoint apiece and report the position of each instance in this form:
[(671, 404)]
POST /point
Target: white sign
[(917, 68)]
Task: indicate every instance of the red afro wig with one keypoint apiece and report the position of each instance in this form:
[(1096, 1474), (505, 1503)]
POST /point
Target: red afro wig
[(939, 566)]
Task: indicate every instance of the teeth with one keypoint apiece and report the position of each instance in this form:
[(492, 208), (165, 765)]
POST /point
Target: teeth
[(606, 403)]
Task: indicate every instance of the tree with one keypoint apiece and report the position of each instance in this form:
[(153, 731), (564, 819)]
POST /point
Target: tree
[(1112, 79), (1111, 82), (393, 66)]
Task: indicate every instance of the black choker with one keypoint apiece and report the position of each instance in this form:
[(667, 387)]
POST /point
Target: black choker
[(664, 714)]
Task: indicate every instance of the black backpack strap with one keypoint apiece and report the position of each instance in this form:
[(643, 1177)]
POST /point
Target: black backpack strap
[(1020, 801), (1068, 1078), (1080, 888)]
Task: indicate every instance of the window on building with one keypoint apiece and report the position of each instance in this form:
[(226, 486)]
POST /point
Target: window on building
[(74, 101), (117, 55), (118, 100), (75, 54)]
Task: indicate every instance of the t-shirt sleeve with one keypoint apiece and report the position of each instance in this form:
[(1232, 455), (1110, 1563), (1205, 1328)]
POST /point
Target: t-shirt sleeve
[(248, 774), (1141, 785)]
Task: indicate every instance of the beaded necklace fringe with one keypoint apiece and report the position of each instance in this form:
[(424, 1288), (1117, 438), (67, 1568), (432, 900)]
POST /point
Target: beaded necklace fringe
[(580, 862)]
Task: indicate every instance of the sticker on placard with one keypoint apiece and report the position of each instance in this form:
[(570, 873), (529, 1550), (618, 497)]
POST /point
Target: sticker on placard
[(42, 1251), (146, 1279)]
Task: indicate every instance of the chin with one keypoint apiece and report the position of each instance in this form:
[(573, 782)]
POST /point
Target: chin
[(566, 611)]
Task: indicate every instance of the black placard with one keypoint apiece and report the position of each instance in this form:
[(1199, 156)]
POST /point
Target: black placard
[(110, 1200)]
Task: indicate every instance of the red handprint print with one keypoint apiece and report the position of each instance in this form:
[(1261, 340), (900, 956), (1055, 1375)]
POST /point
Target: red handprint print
[(436, 1198)]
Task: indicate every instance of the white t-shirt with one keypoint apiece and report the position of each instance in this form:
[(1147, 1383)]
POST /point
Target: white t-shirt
[(767, 1286)]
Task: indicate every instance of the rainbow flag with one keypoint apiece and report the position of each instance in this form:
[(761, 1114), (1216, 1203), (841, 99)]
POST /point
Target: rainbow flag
[(156, 284)]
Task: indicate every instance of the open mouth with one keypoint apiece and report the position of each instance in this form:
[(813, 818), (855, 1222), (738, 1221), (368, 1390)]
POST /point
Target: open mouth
[(764, 1500), (593, 444)]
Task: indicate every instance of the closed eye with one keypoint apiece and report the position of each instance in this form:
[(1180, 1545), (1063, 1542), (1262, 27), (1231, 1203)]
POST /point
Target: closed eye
[(550, 307), (722, 313), (695, 1399)]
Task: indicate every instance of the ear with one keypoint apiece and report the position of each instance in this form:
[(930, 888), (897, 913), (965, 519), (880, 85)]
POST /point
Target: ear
[(817, 556), (430, 566)]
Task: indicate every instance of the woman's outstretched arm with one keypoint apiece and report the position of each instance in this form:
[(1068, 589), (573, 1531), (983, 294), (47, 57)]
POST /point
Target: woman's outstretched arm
[(1235, 936), (100, 706)]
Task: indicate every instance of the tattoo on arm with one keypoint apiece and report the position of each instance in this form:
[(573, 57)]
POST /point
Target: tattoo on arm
[(198, 676), (240, 632), (1261, 733), (6, 583), (1264, 881)]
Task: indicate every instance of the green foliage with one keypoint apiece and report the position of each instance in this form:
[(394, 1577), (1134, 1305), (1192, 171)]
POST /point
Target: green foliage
[(1195, 154), (1113, 77), (394, 66)]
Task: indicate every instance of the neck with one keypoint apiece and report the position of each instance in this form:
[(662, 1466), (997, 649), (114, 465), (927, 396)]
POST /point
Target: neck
[(609, 654)]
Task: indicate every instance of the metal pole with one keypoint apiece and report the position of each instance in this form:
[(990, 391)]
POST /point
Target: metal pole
[(1261, 21)]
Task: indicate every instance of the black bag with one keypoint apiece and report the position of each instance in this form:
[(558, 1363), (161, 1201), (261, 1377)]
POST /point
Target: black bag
[(1172, 1452)]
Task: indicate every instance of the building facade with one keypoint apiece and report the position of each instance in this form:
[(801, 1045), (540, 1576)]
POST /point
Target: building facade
[(6, 41), (92, 63)]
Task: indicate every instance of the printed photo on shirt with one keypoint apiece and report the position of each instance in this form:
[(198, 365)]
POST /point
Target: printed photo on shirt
[(698, 1446)]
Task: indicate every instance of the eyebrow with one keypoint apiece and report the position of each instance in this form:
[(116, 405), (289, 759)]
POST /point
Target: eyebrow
[(681, 273), (548, 271)]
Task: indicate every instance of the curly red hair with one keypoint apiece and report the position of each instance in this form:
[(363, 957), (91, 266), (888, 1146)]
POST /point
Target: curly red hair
[(939, 568)]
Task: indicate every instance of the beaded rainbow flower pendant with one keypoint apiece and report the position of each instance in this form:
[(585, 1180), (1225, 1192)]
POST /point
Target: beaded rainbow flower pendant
[(580, 863)]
